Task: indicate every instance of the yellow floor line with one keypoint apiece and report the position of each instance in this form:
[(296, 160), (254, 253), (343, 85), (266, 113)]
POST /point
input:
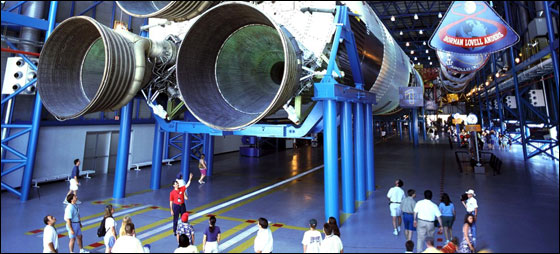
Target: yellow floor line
[(229, 233), (244, 246), (96, 225)]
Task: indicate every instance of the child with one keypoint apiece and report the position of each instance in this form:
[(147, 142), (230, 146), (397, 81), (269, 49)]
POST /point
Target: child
[(451, 246), (312, 238)]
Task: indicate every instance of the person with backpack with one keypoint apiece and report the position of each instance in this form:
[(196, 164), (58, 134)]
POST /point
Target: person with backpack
[(107, 229)]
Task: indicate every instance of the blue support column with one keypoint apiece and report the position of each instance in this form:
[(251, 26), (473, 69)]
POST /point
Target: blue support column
[(35, 121), (490, 123), (410, 128), (400, 129), (359, 151), (210, 156), (370, 169), (517, 93), (414, 127), (458, 135), (121, 168), (347, 159), (423, 124), (185, 169), (330, 151), (555, 62), (155, 181), (166, 142)]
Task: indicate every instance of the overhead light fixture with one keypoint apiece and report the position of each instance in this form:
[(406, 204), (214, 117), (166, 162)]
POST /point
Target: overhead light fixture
[(415, 16), (393, 18), (401, 33), (412, 52), (421, 32), (517, 60), (487, 83), (520, 54), (439, 15), (430, 63), (424, 43), (497, 74), (415, 58), (427, 51), (407, 43), (429, 58)]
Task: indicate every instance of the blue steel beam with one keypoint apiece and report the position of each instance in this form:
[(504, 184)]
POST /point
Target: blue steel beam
[(553, 53), (185, 169), (517, 94), (370, 166), (359, 151), (121, 168), (330, 153), (210, 156), (155, 182), (347, 159), (36, 119), (22, 20)]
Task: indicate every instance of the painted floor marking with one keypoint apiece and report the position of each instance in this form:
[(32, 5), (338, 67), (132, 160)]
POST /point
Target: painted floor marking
[(62, 230)]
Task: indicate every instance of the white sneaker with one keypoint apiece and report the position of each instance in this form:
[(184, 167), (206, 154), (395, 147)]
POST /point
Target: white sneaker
[(83, 251), (395, 232), (399, 228)]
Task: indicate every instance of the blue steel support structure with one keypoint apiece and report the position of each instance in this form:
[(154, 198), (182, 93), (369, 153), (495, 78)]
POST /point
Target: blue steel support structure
[(554, 56), (370, 167), (359, 152), (209, 155), (185, 169), (330, 148), (517, 93), (347, 159), (157, 151), (26, 161), (423, 124), (498, 97), (399, 126), (414, 127), (121, 168)]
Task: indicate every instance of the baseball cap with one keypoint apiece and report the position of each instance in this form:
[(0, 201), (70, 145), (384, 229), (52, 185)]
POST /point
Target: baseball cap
[(313, 222), (470, 192), (185, 217)]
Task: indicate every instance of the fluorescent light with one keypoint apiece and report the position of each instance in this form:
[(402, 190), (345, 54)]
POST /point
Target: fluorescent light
[(412, 52), (430, 63), (421, 32), (415, 16), (401, 33), (517, 60), (424, 43), (427, 51), (439, 15), (429, 58), (407, 44), (415, 58), (393, 18)]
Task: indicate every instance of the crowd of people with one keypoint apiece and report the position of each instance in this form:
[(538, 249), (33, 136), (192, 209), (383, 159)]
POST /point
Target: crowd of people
[(424, 216)]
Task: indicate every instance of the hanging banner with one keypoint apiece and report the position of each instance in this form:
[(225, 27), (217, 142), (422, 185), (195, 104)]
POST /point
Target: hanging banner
[(462, 63), (411, 97), (471, 28)]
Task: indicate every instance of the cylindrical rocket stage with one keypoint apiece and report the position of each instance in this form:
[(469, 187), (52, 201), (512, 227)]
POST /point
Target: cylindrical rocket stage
[(235, 66)]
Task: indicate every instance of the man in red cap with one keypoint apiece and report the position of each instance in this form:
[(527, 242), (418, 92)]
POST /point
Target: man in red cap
[(185, 228)]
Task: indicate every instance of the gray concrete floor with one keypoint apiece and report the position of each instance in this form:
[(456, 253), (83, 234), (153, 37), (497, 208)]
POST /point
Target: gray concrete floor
[(518, 209)]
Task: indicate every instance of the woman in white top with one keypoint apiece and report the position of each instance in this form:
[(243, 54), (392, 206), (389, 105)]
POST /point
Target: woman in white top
[(110, 231), (331, 243)]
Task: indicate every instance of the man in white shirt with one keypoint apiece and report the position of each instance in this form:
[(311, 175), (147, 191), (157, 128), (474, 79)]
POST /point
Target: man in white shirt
[(395, 196), (263, 241), (312, 238), (331, 243), (472, 208), (128, 243), (50, 236), (425, 214)]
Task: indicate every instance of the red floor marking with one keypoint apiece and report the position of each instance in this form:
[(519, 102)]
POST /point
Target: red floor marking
[(35, 231), (210, 215), (277, 225), (95, 245), (61, 235), (440, 240), (154, 207), (250, 221)]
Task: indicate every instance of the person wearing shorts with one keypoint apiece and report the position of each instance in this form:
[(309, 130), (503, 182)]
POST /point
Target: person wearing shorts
[(73, 223), (74, 180), (407, 208), (395, 196), (203, 169), (447, 210)]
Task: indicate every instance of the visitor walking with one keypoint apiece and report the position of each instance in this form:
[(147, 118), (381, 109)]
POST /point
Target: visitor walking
[(395, 196), (447, 210), (73, 223), (211, 237), (74, 181), (203, 169), (312, 238), (425, 214), (471, 205), (110, 232), (407, 208), (467, 245), (264, 241)]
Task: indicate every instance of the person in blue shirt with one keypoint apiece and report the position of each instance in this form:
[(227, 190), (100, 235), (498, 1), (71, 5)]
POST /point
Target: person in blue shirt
[(74, 180), (447, 210)]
